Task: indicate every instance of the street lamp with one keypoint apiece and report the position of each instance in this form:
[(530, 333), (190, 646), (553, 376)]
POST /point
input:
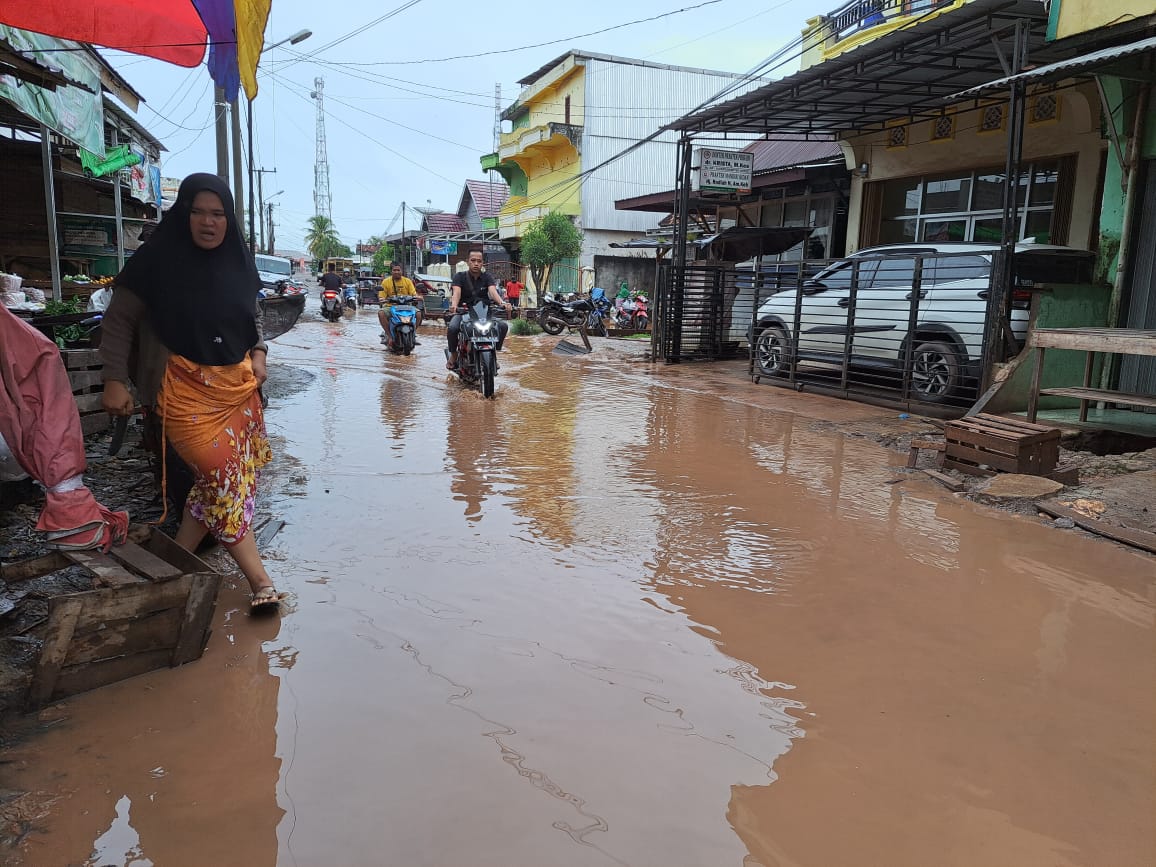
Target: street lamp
[(299, 36)]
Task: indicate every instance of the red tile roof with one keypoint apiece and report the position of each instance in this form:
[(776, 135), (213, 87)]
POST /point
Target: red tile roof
[(488, 197), (445, 223), (771, 155)]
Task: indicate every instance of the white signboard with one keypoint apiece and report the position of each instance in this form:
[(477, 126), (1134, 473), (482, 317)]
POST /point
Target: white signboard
[(722, 171)]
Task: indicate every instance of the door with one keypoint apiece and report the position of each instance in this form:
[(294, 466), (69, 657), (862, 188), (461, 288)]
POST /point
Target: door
[(1137, 372)]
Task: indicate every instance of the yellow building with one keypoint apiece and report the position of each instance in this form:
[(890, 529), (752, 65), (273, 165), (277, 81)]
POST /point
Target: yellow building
[(1073, 17), (563, 143)]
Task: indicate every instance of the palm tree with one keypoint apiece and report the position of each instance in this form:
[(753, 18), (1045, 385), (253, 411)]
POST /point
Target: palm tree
[(322, 238)]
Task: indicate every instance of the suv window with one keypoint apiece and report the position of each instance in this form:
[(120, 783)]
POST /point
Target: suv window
[(838, 276), (949, 269), (894, 272)]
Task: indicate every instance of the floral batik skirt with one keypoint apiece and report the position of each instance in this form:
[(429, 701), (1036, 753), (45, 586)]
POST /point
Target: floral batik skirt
[(213, 418)]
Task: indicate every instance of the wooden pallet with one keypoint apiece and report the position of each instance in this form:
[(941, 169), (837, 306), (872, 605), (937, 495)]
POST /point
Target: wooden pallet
[(85, 373), (152, 608), (983, 444)]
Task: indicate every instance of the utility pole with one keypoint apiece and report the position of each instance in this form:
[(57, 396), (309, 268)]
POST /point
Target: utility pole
[(404, 251), (238, 176), (272, 248), (261, 202), (222, 125)]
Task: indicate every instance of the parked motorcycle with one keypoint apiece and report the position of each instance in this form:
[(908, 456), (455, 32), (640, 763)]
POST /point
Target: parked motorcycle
[(641, 313), (331, 304), (556, 316), (596, 320), (478, 349), (403, 319)]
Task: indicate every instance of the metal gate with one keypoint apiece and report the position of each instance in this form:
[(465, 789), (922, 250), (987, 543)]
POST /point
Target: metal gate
[(697, 317)]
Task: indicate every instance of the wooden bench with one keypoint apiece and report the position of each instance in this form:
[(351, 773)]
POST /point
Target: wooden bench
[(1123, 341)]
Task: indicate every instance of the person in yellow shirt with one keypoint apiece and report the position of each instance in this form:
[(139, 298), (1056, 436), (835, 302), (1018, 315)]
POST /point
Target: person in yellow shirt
[(395, 284)]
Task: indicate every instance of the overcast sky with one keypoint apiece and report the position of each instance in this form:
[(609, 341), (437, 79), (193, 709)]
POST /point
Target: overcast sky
[(414, 131)]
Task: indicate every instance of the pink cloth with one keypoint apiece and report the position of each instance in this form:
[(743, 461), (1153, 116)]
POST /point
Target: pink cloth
[(41, 425)]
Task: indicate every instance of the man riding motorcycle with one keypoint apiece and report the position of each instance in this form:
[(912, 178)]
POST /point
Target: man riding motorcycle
[(395, 284), (470, 287)]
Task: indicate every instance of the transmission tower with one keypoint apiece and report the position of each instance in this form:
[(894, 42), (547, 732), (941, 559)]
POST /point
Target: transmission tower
[(322, 201)]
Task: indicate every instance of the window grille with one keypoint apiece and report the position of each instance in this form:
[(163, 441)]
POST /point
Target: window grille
[(943, 128), (897, 137), (991, 120)]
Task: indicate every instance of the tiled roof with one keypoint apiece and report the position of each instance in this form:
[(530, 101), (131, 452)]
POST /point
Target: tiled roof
[(771, 155), (445, 223), (488, 197)]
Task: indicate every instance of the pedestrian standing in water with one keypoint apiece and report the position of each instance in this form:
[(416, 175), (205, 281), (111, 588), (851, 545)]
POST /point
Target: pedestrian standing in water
[(196, 284)]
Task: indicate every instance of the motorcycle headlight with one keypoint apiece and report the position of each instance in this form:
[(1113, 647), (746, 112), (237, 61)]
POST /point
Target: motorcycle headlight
[(484, 327)]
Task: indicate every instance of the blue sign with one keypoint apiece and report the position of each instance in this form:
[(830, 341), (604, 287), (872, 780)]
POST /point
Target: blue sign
[(443, 248)]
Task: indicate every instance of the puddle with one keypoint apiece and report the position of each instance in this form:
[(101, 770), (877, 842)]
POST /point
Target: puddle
[(618, 615)]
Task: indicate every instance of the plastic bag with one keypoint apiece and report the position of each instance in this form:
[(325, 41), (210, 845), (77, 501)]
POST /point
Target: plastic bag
[(100, 300)]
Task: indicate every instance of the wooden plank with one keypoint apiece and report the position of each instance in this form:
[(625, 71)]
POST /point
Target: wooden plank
[(1141, 539), (168, 550), (108, 572), (155, 631), (945, 480), (197, 616), (1013, 423), (22, 570), (977, 441), (1005, 463), (144, 562), (81, 358), (1103, 394), (1022, 432), (94, 422), (132, 600), (82, 678), (970, 469), (63, 615), (1127, 341), (81, 380)]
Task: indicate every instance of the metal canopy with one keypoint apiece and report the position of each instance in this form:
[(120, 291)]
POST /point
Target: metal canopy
[(1089, 63), (907, 73)]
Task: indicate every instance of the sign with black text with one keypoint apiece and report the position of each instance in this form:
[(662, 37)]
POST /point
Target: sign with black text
[(723, 171)]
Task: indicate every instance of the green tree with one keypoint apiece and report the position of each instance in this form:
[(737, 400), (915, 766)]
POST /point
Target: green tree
[(322, 239), (546, 242), (382, 258)]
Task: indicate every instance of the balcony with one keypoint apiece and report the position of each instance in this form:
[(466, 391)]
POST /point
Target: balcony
[(546, 136), (860, 21)]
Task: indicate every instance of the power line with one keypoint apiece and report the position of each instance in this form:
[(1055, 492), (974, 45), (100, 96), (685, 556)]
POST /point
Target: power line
[(351, 34), (477, 54)]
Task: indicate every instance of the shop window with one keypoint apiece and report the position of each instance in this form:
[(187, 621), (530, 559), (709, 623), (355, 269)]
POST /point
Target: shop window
[(897, 137), (969, 207), (991, 118), (943, 128), (1044, 107)]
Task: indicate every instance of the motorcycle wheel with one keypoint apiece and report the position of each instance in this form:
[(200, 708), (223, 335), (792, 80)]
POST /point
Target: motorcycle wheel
[(597, 326), (405, 341), (642, 323), (552, 326), (488, 364)]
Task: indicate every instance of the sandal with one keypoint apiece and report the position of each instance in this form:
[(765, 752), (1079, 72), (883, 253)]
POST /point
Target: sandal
[(267, 599)]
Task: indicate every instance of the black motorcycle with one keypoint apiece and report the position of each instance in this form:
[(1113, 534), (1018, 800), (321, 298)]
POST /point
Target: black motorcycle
[(331, 304), (556, 316), (478, 349)]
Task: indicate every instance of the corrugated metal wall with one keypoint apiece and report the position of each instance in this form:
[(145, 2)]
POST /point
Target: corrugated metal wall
[(626, 103), (1137, 373)]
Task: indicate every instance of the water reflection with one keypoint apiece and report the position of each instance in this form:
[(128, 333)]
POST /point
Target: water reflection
[(194, 768)]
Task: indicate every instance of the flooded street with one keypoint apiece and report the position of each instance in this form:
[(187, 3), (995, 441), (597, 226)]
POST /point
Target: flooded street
[(621, 614)]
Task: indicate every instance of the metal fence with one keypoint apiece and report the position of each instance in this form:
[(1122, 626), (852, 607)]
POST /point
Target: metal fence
[(906, 329)]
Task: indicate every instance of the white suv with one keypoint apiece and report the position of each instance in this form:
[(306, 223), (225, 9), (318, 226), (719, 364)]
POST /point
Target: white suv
[(947, 339)]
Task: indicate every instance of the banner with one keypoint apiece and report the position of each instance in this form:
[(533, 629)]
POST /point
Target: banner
[(443, 248), (75, 113)]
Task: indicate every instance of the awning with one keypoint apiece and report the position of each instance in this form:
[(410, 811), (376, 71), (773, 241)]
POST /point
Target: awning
[(736, 244), (27, 67), (1096, 61), (907, 73)]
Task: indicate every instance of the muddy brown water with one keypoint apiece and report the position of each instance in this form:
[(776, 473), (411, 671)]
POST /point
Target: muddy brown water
[(620, 615)]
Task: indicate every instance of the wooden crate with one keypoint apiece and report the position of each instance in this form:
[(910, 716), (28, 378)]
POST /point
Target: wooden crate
[(152, 607), (1000, 444), (85, 372)]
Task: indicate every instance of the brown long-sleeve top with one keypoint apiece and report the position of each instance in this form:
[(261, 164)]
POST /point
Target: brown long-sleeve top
[(131, 351)]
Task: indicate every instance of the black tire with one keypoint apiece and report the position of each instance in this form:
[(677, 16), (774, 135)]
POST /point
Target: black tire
[(598, 326), (405, 341), (551, 326), (772, 352), (935, 371), (642, 323), (488, 364)]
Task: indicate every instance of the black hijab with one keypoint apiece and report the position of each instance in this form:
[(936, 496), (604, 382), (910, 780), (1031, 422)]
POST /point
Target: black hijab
[(201, 303)]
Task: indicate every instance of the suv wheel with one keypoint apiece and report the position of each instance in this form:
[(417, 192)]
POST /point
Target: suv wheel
[(771, 351), (935, 370)]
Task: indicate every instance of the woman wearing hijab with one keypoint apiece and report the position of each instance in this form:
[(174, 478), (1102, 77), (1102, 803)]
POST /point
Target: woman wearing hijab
[(195, 284)]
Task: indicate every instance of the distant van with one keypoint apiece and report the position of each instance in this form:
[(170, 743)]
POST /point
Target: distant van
[(273, 270)]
